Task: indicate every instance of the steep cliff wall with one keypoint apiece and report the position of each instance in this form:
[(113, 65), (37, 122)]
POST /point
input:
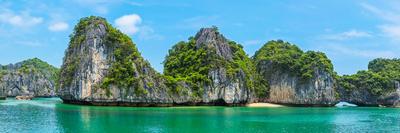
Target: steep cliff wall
[(102, 66), (363, 97), (30, 77), (294, 77), (379, 85), (209, 69)]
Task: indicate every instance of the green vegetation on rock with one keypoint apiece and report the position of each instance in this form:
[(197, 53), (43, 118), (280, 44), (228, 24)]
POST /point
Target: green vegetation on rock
[(24, 74), (379, 79), (126, 57), (288, 57), (76, 39), (185, 62), (36, 65), (192, 64), (126, 62), (3, 72)]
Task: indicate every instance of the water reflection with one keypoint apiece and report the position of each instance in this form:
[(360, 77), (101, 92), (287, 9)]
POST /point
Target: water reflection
[(23, 116), (52, 116), (367, 119)]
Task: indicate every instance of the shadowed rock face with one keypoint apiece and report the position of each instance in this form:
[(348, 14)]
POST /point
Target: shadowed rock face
[(287, 88), (363, 97), (377, 86), (90, 60), (27, 79)]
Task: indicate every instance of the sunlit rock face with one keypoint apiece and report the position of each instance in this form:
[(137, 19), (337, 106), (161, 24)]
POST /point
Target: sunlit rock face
[(32, 77), (295, 77), (229, 90), (288, 89), (94, 48)]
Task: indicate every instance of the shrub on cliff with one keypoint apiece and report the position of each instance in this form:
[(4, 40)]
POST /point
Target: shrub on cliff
[(379, 79), (125, 59), (36, 65), (288, 57), (192, 64)]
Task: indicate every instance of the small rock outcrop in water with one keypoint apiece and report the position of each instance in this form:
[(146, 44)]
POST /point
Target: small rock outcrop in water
[(32, 77), (103, 67), (209, 69), (295, 77), (377, 86)]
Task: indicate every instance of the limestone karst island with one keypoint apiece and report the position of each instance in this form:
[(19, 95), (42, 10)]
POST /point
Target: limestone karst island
[(199, 66)]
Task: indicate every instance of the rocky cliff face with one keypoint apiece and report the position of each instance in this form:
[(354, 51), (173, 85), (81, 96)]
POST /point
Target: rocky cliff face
[(362, 97), (216, 61), (377, 86), (213, 40), (230, 90), (31, 77), (287, 88), (102, 66), (291, 84)]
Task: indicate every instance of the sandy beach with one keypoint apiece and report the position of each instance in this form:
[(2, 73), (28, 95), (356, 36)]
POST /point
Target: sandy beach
[(264, 105)]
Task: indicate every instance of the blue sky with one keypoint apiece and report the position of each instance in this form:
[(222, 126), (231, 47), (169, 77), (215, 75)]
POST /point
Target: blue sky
[(350, 32)]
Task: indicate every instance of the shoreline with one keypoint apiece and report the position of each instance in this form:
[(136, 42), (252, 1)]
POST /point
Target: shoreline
[(270, 105)]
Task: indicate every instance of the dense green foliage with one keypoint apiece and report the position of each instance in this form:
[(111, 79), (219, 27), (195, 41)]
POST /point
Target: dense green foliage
[(186, 62), (379, 79), (196, 62), (288, 57), (36, 65), (3, 71), (32, 66), (126, 58)]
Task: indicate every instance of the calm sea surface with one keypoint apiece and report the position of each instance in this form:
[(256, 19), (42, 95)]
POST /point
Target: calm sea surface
[(48, 115)]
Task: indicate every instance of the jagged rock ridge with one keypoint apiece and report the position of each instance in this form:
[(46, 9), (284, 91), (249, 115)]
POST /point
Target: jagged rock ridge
[(377, 86), (32, 77), (103, 67), (211, 38), (295, 78), (213, 70)]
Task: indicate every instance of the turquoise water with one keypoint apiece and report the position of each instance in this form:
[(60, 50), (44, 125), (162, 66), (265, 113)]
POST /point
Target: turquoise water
[(50, 115)]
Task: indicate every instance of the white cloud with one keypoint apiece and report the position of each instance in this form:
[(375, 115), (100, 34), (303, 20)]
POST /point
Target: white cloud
[(29, 43), (101, 9), (391, 18), (392, 31), (339, 49), (147, 33), (199, 22), (59, 26), (347, 35), (387, 15), (128, 23), (97, 6), (20, 20), (135, 3), (252, 42)]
